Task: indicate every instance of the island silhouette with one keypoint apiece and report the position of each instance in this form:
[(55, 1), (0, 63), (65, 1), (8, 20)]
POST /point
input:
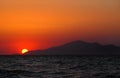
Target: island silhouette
[(78, 48)]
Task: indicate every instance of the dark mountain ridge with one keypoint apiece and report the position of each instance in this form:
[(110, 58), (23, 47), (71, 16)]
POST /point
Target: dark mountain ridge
[(78, 48)]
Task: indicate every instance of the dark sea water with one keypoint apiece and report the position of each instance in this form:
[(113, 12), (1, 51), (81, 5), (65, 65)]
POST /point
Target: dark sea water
[(59, 66)]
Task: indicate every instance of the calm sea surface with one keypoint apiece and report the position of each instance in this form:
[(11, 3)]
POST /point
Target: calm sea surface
[(59, 66)]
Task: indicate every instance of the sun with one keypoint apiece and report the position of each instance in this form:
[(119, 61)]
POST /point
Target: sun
[(24, 51)]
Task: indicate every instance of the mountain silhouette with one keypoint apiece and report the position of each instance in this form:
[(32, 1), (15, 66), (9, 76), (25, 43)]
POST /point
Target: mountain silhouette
[(78, 48)]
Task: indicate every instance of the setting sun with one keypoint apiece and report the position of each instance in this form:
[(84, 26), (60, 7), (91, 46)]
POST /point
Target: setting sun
[(24, 51)]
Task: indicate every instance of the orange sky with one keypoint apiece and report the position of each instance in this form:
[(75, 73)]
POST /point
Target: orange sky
[(38, 24)]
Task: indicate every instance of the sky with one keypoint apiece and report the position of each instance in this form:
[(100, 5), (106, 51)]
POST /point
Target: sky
[(39, 24)]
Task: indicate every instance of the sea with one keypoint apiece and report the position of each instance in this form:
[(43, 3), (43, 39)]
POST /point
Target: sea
[(62, 66)]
